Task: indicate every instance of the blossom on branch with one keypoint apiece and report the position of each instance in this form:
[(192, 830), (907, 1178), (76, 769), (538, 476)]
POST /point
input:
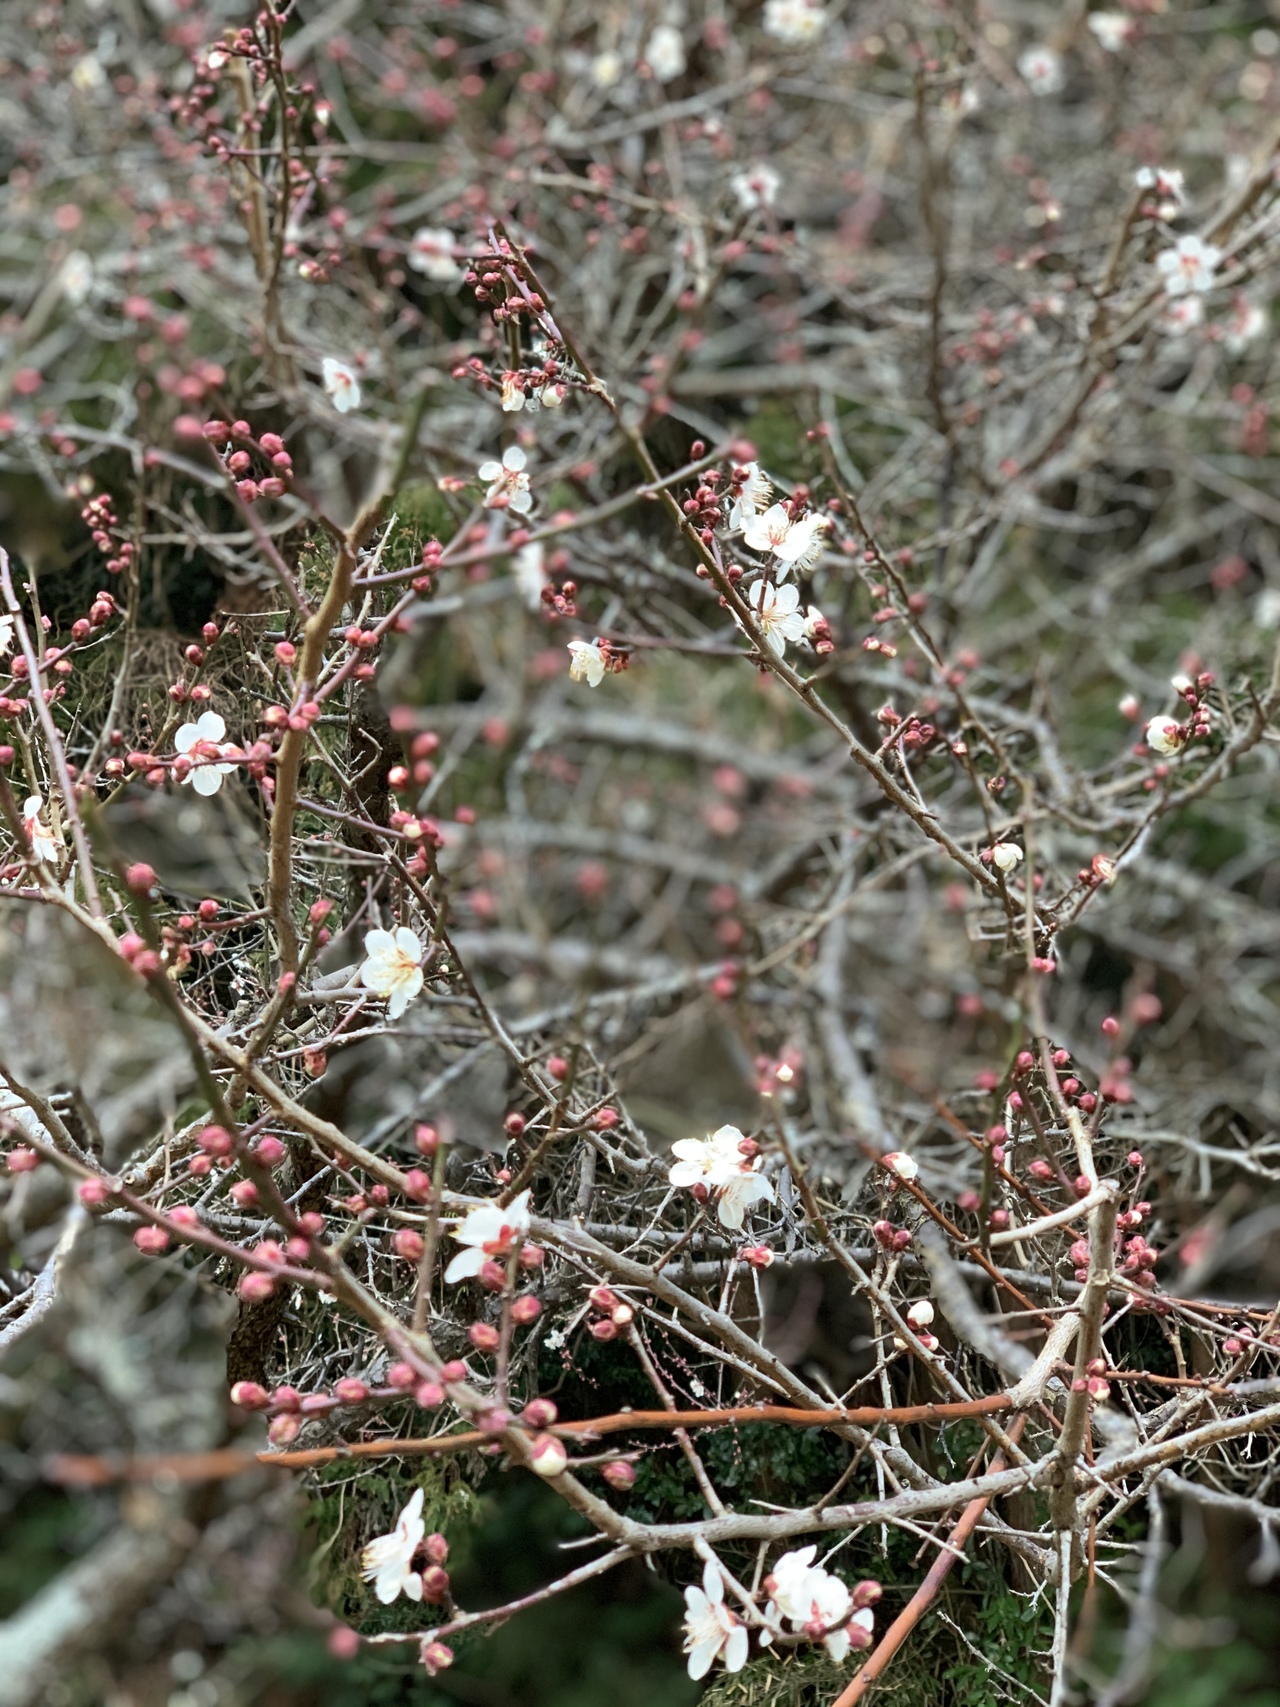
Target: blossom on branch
[(814, 1601), (490, 1234), (777, 610), (711, 1631), (1041, 69), (664, 54), (1189, 266), (508, 482), (1006, 856), (202, 744), (1165, 735), (341, 384), (431, 253), (387, 1562), (755, 189), (588, 662), (721, 1164), (749, 499), (795, 23), (393, 967), (44, 844)]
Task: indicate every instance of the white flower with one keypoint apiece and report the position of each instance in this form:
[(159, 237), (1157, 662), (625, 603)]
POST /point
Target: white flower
[(665, 53), (1112, 29), (341, 384), (587, 663), (431, 253), (1041, 69), (811, 1598), (1167, 182), (777, 612), (1005, 856), (900, 1163), (1189, 265), (710, 1629), (44, 844), (6, 633), (388, 1559), (393, 967), (552, 396), (1165, 735), (87, 74), (1182, 315), (749, 499), (202, 743), (814, 623), (530, 573), (794, 22), (802, 547), (509, 484), (606, 68), (1247, 321), (920, 1314), (718, 1164), (794, 543), (513, 397), (755, 189), (489, 1233), (76, 277)]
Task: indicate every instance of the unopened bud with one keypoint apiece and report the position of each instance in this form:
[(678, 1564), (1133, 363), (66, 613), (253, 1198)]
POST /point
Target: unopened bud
[(548, 1457)]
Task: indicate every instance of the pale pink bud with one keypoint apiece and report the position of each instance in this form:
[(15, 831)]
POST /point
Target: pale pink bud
[(526, 1310), (151, 1240), (435, 1656), (484, 1336), (548, 1457), (250, 1396), (407, 1242), (540, 1413), (619, 1474), (428, 1394)]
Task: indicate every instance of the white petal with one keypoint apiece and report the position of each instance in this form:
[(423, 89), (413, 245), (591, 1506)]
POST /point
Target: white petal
[(735, 1649), (702, 1658), (837, 1644), (514, 458), (712, 1583), (206, 779), (465, 1265), (408, 943), (489, 470), (210, 726)]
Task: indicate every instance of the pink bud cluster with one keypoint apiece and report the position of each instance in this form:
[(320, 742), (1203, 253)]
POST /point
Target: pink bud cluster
[(239, 461), (615, 1315)]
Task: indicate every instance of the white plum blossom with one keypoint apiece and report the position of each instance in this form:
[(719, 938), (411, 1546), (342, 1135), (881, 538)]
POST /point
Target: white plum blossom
[(587, 662), (44, 844), (899, 1162), (664, 54), (795, 23), (795, 543), (1112, 29), (921, 1313), (431, 253), (341, 384), (1168, 184), (529, 565), (76, 277), (778, 614), (718, 1163), (508, 482), (1247, 321), (803, 546), (393, 967), (1183, 314), (553, 395), (1165, 735), (1006, 856), (752, 497), (756, 188), (488, 1233), (202, 743), (513, 397), (6, 634), (387, 1562), (606, 68), (1189, 265), (807, 1596), (1041, 70), (711, 1631)]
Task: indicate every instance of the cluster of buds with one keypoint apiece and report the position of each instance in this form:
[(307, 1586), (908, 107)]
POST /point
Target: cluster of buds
[(100, 518), (1099, 873), (615, 1313), (562, 602), (289, 1409), (891, 1238), (919, 1320), (1092, 1382), (1139, 1260), (99, 614), (703, 506), (237, 457)]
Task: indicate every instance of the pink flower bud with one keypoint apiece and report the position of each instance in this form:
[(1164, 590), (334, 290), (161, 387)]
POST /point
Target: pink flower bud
[(284, 1429), (540, 1413), (1082, 1186), (22, 1161), (548, 1457), (417, 1185), (526, 1310), (866, 1593), (492, 1276), (970, 1201), (428, 1394), (619, 1474), (350, 1391), (902, 1240), (604, 1329), (860, 1637), (408, 1243), (250, 1396), (435, 1584), (269, 1151), (1040, 1169), (151, 1240), (245, 1193), (215, 1141), (343, 1643), (532, 1256), (759, 1256), (426, 1140), (999, 1220), (604, 1298), (93, 1192), (484, 1336), (255, 1287), (515, 1124), (140, 879), (435, 1656)]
